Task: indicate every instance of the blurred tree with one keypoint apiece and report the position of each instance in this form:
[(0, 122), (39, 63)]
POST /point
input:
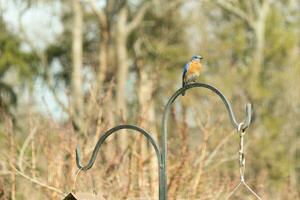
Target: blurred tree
[(251, 49), (77, 61), (254, 15), (156, 47), (13, 61), (258, 42)]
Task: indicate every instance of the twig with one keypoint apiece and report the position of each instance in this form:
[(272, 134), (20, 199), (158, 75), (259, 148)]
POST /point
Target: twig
[(24, 147), (215, 151), (138, 17), (12, 155), (236, 11), (38, 182)]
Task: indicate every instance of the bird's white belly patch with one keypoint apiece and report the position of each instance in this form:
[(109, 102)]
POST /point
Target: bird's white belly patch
[(192, 77)]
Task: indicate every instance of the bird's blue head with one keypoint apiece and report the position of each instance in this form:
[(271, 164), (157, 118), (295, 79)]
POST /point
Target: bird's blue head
[(197, 57)]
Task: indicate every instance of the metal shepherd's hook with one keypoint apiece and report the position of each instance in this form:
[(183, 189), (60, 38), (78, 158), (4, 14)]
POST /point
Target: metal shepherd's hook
[(114, 130), (164, 132), (162, 155)]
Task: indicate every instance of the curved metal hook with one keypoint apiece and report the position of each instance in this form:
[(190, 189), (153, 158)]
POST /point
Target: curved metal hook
[(113, 130), (164, 130), (233, 120), (105, 136)]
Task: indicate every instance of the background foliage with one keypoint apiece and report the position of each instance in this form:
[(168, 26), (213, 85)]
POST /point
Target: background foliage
[(109, 62)]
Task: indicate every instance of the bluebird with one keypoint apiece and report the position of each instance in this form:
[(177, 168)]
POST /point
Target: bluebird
[(191, 70)]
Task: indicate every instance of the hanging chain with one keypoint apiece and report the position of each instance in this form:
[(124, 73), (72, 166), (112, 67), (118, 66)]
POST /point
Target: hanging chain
[(241, 152), (242, 162), (75, 179)]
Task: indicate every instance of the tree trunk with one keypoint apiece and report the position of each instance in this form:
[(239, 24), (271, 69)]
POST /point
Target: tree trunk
[(122, 57), (259, 29), (77, 98), (122, 72), (258, 59), (147, 120), (103, 54)]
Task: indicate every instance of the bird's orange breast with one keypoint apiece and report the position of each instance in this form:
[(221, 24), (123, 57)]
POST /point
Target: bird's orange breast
[(195, 68)]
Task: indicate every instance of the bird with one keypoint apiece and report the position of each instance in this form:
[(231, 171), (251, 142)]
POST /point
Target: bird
[(191, 70)]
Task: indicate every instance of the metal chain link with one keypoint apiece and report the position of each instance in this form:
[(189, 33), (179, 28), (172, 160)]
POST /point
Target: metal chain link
[(241, 152), (242, 162)]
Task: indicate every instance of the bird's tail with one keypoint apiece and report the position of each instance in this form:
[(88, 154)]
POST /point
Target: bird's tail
[(183, 84)]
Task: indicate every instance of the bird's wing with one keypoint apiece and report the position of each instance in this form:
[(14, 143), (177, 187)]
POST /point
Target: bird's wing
[(185, 69)]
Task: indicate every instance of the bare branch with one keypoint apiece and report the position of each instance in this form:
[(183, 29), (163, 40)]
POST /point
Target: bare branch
[(99, 12), (236, 11), (217, 148), (24, 147), (172, 5), (138, 17), (256, 5), (38, 182)]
